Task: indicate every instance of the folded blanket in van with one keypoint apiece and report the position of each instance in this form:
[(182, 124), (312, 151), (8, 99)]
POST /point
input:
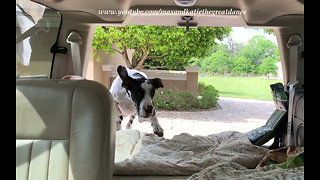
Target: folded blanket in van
[(234, 171), (147, 154)]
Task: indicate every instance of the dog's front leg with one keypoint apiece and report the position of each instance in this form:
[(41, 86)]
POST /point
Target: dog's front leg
[(118, 122), (157, 129), (119, 117), (129, 124)]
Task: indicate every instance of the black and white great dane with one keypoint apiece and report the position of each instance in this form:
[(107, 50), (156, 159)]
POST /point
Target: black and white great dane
[(133, 93)]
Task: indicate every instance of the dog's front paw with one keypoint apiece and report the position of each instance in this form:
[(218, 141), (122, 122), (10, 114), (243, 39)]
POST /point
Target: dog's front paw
[(158, 133), (118, 125), (158, 130), (129, 125)]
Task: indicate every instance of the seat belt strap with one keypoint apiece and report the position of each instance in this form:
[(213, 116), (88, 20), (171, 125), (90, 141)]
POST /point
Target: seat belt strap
[(27, 34), (293, 45), (75, 41)]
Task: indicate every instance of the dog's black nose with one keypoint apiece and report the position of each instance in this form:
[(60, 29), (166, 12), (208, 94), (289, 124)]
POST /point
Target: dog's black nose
[(148, 109)]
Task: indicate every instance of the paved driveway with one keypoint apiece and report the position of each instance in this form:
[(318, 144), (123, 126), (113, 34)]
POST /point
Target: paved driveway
[(235, 114)]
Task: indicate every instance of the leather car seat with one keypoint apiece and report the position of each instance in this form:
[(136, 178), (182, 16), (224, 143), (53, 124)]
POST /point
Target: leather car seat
[(65, 130)]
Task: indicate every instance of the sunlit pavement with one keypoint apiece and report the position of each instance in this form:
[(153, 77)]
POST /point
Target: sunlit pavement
[(235, 114)]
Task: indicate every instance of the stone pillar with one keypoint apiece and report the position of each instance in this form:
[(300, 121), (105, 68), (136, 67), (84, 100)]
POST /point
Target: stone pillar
[(192, 78), (106, 75)]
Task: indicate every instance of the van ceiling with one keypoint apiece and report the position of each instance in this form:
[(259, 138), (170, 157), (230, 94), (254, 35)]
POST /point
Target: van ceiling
[(257, 12)]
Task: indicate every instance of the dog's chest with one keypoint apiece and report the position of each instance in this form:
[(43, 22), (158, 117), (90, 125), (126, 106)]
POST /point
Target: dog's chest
[(125, 103), (127, 108)]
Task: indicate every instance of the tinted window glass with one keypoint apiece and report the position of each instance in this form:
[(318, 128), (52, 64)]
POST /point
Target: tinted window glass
[(37, 28)]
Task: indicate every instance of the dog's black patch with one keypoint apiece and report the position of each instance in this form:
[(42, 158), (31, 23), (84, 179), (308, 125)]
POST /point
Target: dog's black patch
[(156, 83), (137, 92)]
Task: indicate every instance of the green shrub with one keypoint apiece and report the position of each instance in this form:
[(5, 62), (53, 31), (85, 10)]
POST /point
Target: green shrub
[(210, 96), (205, 99)]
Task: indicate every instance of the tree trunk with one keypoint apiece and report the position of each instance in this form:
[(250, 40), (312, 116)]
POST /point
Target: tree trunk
[(125, 57), (134, 61), (141, 62)]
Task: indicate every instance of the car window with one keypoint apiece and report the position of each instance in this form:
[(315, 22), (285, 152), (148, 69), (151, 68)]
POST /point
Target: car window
[(37, 29)]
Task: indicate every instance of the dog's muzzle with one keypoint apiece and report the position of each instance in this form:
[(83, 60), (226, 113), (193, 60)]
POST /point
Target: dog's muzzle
[(148, 111)]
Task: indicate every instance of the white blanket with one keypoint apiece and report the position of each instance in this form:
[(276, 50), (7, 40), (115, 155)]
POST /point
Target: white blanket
[(230, 170), (184, 154)]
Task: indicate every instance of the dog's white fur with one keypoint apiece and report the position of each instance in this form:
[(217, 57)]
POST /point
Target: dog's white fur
[(126, 106)]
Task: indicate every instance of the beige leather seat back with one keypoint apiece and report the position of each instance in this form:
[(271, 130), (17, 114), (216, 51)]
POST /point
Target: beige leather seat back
[(64, 130)]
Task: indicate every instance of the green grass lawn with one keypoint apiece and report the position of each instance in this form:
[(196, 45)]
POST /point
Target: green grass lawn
[(241, 87)]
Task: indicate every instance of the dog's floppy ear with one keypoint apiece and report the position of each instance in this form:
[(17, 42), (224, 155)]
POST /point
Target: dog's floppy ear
[(156, 82), (122, 71)]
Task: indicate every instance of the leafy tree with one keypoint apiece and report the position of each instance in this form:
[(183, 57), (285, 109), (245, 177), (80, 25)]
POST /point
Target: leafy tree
[(268, 66), (269, 31), (276, 55), (257, 49), (241, 59), (162, 46), (233, 47), (242, 65), (220, 47), (220, 60), (220, 63)]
